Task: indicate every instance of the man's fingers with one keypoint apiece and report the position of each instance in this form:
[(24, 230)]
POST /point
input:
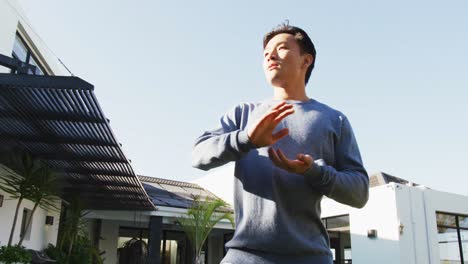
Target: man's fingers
[(299, 165), (280, 134), (274, 158), (284, 160), (285, 107), (307, 159), (272, 113), (292, 164), (282, 115), (278, 106), (282, 107)]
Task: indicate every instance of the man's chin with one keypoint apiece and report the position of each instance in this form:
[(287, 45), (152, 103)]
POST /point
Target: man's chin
[(276, 82)]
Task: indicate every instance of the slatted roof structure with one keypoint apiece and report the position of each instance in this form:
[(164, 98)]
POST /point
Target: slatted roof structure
[(58, 120), (164, 192)]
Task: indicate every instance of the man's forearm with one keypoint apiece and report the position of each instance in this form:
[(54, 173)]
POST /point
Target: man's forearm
[(350, 187), (215, 149)]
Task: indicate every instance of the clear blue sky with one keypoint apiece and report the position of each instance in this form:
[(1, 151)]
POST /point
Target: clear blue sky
[(164, 71)]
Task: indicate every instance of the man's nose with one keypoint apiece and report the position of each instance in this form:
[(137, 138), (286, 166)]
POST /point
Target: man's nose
[(271, 56)]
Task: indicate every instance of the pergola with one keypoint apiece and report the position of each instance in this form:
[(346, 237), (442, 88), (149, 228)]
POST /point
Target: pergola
[(58, 119)]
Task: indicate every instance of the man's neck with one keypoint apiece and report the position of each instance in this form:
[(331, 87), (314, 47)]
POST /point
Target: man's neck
[(288, 93)]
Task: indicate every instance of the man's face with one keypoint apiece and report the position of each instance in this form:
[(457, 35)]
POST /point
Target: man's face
[(283, 63)]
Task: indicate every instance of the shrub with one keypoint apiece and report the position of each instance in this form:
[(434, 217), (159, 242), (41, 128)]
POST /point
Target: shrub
[(14, 254)]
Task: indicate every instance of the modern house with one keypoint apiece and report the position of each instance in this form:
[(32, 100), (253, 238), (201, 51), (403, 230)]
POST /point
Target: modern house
[(58, 120), (171, 198)]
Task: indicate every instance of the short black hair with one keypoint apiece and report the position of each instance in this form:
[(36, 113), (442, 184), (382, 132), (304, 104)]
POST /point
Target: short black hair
[(302, 39)]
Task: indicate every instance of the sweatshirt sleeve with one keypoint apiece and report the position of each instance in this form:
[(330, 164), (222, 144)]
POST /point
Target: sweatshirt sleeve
[(347, 182), (228, 142)]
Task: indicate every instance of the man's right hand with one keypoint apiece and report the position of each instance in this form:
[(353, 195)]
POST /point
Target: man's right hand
[(261, 133)]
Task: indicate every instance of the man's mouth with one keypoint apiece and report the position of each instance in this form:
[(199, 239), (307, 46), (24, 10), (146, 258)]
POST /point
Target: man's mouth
[(272, 66)]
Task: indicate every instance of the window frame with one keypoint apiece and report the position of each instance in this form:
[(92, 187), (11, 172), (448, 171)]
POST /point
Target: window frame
[(457, 228), (30, 53), (26, 231)]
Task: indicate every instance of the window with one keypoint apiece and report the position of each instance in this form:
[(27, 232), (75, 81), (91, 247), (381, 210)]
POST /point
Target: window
[(26, 215), (340, 238), (453, 237), (175, 246), (23, 53)]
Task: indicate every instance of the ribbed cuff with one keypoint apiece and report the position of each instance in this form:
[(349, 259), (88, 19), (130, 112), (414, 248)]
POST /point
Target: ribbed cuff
[(315, 174), (245, 145)]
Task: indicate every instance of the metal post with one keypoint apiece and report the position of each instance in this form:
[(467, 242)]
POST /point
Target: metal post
[(154, 242)]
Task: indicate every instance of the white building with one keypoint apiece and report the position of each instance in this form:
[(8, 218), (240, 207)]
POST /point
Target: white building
[(57, 119), (402, 223), (18, 40)]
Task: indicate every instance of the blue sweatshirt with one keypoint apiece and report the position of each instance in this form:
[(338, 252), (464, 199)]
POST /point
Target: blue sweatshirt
[(278, 212)]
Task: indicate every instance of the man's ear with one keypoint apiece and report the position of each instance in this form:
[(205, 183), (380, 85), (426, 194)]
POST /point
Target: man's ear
[(308, 59)]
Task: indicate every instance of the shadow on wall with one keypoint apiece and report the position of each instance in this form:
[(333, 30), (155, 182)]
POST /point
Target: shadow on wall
[(365, 250)]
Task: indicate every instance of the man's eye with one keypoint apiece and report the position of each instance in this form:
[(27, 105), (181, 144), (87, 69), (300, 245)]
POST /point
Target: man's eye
[(266, 54)]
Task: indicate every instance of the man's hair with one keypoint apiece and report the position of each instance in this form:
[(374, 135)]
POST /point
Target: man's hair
[(302, 39)]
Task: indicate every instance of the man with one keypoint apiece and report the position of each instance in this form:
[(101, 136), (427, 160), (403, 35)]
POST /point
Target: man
[(289, 151)]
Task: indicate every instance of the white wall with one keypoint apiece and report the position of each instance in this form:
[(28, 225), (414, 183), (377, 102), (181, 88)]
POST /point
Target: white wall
[(13, 19), (379, 213), (108, 243), (8, 25), (41, 234), (392, 205), (413, 238), (219, 181)]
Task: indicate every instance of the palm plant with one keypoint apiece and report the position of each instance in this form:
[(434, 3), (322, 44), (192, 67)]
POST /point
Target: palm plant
[(201, 217), (73, 243), (43, 194), (73, 227), (19, 185)]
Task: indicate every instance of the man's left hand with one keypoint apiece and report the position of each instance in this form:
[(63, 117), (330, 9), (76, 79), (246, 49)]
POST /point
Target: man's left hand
[(300, 165)]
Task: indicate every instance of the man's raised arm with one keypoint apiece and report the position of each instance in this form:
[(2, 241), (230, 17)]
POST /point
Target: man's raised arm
[(230, 141)]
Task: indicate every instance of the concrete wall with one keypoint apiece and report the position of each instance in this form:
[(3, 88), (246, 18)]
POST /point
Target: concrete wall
[(41, 234)]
